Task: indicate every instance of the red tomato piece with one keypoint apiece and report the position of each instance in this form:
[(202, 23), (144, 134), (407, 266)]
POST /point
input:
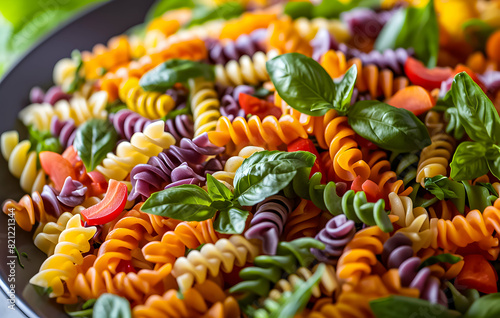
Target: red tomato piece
[(477, 273), (413, 98), (420, 75), (259, 107), (301, 144), (56, 167), (125, 266), (462, 68), (71, 155), (110, 207)]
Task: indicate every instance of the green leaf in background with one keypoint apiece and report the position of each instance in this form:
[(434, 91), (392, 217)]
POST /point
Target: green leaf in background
[(43, 141), (93, 140), (185, 202), (388, 127), (469, 161), (485, 307), (439, 186), (231, 221), (400, 306), (410, 28), (441, 258), (477, 32), (299, 9), (162, 6), (167, 74), (111, 306), (225, 11), (302, 83), (266, 173), (476, 112), (331, 9)]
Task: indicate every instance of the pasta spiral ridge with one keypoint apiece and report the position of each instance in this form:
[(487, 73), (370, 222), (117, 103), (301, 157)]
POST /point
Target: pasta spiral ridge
[(22, 162), (173, 244), (303, 221), (220, 52), (212, 258), (65, 131), (142, 146), (336, 234), (78, 108), (269, 269), (268, 222), (205, 106), (230, 106), (47, 236), (151, 177), (248, 70), (232, 164), (152, 105), (269, 133), (205, 299), (60, 267), (434, 159)]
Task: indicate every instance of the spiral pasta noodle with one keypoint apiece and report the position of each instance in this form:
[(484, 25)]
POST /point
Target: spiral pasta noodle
[(204, 105), (211, 259), (285, 39), (434, 159), (303, 221), (246, 71), (142, 146), (152, 105), (233, 163), (105, 58), (22, 161), (47, 236)]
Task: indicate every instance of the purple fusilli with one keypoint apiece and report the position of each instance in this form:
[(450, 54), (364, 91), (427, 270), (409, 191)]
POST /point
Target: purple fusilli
[(71, 195), (337, 233), (245, 44), (65, 131), (230, 106), (268, 222), (52, 96)]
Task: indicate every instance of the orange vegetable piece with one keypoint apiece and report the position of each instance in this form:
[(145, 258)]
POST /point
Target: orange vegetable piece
[(413, 98), (56, 167)]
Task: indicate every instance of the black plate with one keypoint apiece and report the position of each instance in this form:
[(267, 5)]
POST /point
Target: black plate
[(94, 26)]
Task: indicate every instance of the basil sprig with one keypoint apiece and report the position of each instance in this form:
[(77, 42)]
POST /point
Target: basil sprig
[(478, 116), (396, 306), (111, 306), (173, 71), (485, 307), (409, 28), (43, 141), (307, 87), (93, 140), (441, 258), (326, 9), (261, 175)]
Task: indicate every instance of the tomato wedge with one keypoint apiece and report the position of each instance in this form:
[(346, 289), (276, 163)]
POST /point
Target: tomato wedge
[(420, 75), (56, 167), (256, 106), (71, 155), (301, 144), (477, 273), (413, 98), (110, 207), (371, 189)]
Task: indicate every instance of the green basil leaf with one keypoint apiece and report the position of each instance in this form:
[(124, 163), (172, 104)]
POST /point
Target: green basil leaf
[(297, 10), (265, 173), (493, 157), (485, 307), (391, 128), (302, 82), (42, 291), (411, 27), (477, 196), (185, 202), (225, 11), (441, 258), (400, 306), (111, 306), (167, 74), (488, 186), (469, 161), (439, 186), (477, 32), (43, 141), (231, 221), (475, 110), (93, 140), (344, 89), (174, 113), (332, 9), (162, 6), (217, 190)]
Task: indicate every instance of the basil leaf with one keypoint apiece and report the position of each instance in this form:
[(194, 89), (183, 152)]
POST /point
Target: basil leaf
[(174, 113), (475, 110), (409, 28), (344, 89), (400, 306), (79, 79), (488, 186), (469, 161), (231, 221), (297, 10), (493, 157), (477, 32), (112, 306), (441, 258), (485, 307), (162, 6), (43, 141), (441, 191), (93, 140), (42, 291), (174, 71), (217, 190), (333, 8), (388, 127), (225, 11), (302, 83), (185, 202), (477, 196), (266, 173)]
